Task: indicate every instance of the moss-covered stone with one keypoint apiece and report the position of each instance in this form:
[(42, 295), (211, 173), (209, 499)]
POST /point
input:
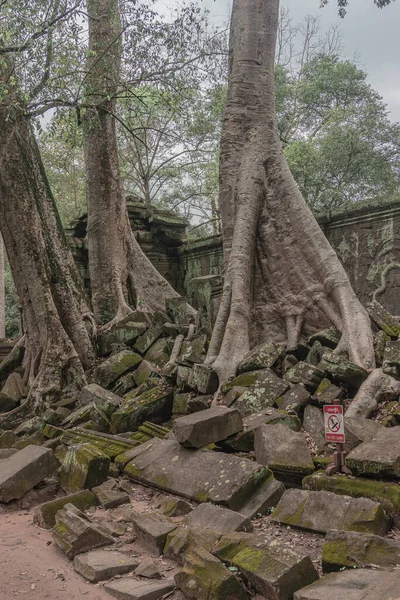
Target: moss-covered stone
[(45, 514), (153, 405), (115, 366), (385, 492), (110, 445), (84, 467)]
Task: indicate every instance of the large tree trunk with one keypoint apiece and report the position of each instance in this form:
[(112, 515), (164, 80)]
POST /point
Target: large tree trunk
[(121, 276), (50, 290), (282, 278), (2, 292)]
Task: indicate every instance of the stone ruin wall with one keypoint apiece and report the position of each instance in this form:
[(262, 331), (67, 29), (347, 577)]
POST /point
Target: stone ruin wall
[(366, 237)]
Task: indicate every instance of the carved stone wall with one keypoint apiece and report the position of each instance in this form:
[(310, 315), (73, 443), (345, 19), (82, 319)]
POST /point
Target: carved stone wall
[(365, 236)]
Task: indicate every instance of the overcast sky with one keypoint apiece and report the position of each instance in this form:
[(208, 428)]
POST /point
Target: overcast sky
[(371, 33)]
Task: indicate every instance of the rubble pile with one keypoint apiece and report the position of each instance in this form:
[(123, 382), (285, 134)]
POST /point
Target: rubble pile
[(219, 473)]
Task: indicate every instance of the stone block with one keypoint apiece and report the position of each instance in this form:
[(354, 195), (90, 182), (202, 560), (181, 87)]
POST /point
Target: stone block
[(7, 452), (45, 514), (358, 430), (22, 471), (313, 423), (329, 338), (110, 445), (115, 366), (109, 496), (75, 534), (183, 539), (271, 568), (203, 379), (379, 457), (385, 321), (343, 370), (8, 439), (218, 519), (207, 427), (262, 394), (147, 568), (391, 359), (152, 530), (385, 492), (159, 353), (323, 511), (308, 375), (284, 451), (149, 337), (352, 550), (193, 351), (153, 405), (358, 584), (127, 588), (295, 399), (121, 334), (102, 398), (204, 577), (263, 499), (84, 467), (263, 356), (99, 565), (219, 478), (326, 393), (6, 403), (175, 507)]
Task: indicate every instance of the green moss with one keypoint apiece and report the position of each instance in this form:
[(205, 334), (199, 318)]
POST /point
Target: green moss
[(334, 556), (250, 558), (244, 380), (201, 496)]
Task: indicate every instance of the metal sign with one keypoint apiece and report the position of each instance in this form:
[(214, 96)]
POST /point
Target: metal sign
[(334, 423)]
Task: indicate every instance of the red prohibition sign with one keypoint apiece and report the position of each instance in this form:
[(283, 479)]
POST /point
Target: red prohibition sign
[(334, 423)]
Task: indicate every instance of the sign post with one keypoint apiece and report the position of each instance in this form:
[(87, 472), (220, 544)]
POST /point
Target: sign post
[(334, 432)]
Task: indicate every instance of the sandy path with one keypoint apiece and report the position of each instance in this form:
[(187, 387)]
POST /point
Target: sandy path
[(31, 566)]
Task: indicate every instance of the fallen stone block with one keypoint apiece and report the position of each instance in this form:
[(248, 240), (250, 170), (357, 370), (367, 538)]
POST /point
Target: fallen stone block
[(284, 451), (262, 394), (343, 370), (115, 366), (147, 568), (22, 471), (175, 507), (329, 338), (84, 467), (204, 577), (308, 375), (131, 589), (295, 399), (384, 492), (152, 530), (271, 568), (233, 394), (244, 441), (263, 356), (358, 584), (207, 427), (36, 439), (6, 403), (203, 379), (109, 496), (110, 445), (391, 359), (102, 398), (144, 373), (313, 423), (45, 515), (183, 539), (77, 417), (154, 405), (326, 393), (352, 550), (200, 475), (218, 519), (8, 439), (121, 334), (149, 337), (263, 499), (160, 352), (323, 511), (75, 534), (99, 565), (7, 452), (358, 430), (379, 457)]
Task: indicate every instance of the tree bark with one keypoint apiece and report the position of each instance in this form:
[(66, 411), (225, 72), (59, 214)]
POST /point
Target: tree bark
[(282, 278), (121, 276), (50, 290), (2, 292)]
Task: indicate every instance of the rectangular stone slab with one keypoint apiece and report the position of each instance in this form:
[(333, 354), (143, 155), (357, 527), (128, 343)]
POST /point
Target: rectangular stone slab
[(355, 584), (99, 565), (200, 475), (22, 471), (207, 426), (217, 518), (352, 550), (379, 457), (45, 514), (131, 589), (323, 511)]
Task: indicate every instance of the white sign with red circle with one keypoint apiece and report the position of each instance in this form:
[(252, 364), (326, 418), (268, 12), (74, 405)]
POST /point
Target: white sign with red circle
[(334, 423)]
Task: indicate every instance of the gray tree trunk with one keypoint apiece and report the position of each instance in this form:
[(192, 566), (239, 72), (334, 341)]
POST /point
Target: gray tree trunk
[(50, 290), (2, 292), (121, 276), (282, 278)]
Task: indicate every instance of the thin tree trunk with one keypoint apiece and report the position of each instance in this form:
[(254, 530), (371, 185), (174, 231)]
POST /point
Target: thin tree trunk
[(282, 278), (2, 292), (49, 287), (121, 276)]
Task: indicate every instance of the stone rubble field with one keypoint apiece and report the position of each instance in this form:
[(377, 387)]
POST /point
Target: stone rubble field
[(155, 484)]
